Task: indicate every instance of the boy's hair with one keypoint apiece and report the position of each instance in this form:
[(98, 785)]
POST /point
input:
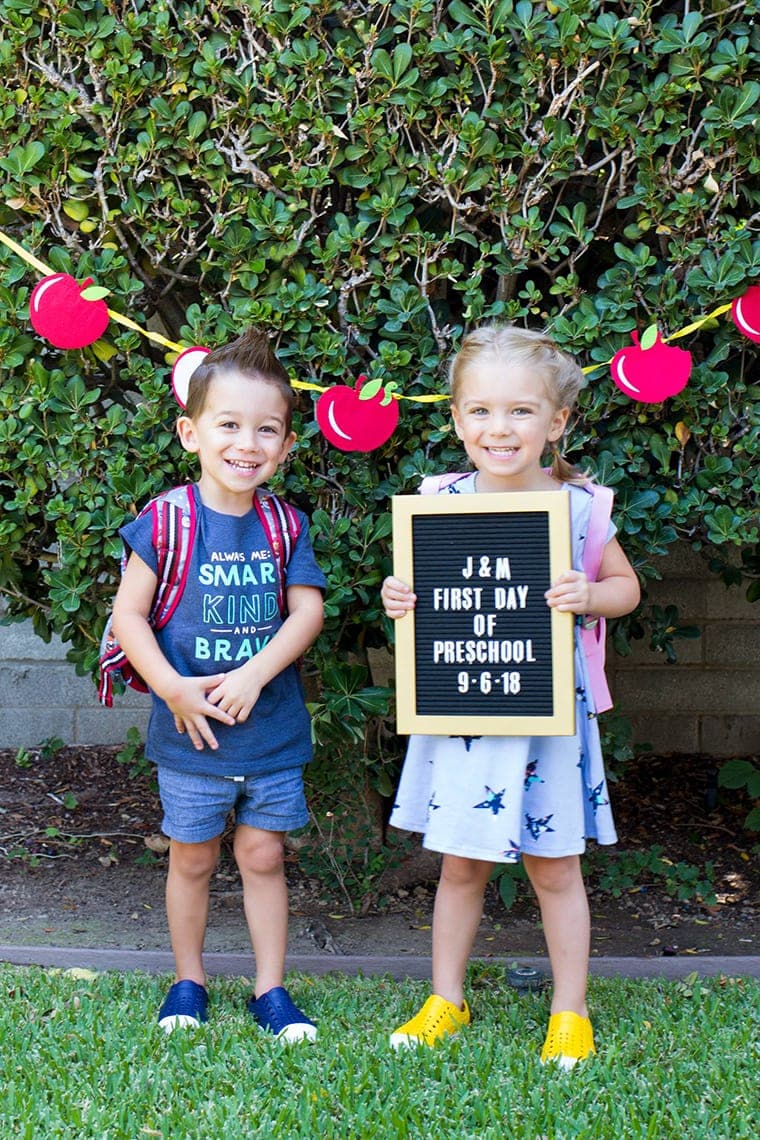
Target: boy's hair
[(251, 355), (562, 376)]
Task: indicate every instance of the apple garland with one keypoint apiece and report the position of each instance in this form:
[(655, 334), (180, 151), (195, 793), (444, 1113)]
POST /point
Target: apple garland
[(67, 314), (745, 312), (364, 417), (360, 418), (650, 370)]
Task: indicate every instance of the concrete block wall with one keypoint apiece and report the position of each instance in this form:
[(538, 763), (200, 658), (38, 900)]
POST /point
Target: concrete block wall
[(708, 702), (41, 697)]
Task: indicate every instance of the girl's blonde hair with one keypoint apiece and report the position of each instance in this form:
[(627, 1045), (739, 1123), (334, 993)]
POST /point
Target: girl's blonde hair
[(561, 375)]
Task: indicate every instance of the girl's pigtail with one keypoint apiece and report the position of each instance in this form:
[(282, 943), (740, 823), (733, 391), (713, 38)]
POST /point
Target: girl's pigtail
[(563, 471)]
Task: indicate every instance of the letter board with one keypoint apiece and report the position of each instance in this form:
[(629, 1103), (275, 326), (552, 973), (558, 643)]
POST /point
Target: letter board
[(482, 653)]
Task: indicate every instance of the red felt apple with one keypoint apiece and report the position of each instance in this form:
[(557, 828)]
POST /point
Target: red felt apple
[(746, 313), (360, 418), (67, 314), (650, 371)]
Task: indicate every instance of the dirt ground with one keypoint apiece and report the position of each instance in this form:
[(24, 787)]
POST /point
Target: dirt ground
[(79, 867)]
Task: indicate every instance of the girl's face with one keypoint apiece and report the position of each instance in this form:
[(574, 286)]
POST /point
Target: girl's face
[(240, 438), (505, 419)]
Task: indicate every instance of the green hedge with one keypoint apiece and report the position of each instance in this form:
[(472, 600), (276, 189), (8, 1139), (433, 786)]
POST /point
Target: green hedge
[(368, 181)]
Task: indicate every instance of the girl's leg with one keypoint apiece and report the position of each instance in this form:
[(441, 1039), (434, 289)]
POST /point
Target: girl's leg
[(260, 859), (191, 866), (456, 917), (558, 883)]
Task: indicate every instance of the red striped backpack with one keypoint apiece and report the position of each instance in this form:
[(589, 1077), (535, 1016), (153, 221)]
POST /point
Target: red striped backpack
[(174, 521), (593, 636)]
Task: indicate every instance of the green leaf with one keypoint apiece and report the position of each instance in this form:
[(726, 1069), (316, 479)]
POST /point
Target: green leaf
[(740, 773), (369, 390), (648, 337), (22, 159), (95, 293), (197, 124)]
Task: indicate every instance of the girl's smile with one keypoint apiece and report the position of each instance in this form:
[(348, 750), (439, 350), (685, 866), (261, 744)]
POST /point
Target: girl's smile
[(505, 419)]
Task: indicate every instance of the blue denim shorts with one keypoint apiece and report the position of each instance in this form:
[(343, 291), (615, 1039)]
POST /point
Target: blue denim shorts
[(196, 807)]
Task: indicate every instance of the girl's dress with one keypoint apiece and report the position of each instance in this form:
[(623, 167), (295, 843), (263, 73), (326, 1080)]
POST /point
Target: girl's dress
[(495, 797)]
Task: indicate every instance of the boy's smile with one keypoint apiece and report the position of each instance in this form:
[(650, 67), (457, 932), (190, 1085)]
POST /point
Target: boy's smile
[(241, 438), (505, 419)]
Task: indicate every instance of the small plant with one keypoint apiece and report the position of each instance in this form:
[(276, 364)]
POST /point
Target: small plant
[(508, 876), (741, 773), (626, 870), (617, 744), (133, 754), (23, 758), (51, 747)]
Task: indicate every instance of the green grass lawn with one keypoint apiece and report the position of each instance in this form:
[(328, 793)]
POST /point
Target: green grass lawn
[(82, 1057)]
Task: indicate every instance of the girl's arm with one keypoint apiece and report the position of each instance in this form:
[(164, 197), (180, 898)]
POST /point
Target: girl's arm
[(185, 696), (238, 691), (615, 592)]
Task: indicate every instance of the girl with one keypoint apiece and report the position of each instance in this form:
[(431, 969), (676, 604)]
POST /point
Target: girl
[(512, 392)]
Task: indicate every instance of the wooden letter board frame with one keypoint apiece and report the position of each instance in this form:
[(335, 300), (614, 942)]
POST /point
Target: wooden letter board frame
[(457, 653)]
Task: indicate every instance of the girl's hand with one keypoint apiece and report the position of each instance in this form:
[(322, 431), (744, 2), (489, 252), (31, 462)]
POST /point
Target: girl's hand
[(571, 593), (397, 598)]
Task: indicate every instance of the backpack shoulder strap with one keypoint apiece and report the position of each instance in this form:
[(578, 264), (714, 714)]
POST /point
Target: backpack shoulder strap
[(593, 636), (282, 527), (174, 519), (432, 484), (173, 527), (598, 528)]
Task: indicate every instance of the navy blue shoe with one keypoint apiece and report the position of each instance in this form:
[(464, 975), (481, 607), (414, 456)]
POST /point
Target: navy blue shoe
[(184, 1005), (275, 1012)]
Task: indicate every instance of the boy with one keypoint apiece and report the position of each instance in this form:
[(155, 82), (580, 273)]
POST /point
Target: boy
[(229, 727)]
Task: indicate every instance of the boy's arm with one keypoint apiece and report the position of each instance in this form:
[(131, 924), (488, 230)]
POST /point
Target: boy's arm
[(185, 696), (239, 689), (615, 592)]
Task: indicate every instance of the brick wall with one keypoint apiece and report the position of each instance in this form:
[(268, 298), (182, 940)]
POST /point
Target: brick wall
[(708, 702)]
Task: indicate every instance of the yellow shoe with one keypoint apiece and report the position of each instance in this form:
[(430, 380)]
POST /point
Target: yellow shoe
[(569, 1039), (437, 1019)]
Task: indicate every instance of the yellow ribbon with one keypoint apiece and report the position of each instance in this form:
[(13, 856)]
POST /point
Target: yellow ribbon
[(428, 399)]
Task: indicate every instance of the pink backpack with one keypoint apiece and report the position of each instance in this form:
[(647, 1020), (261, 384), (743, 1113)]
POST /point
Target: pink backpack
[(593, 639)]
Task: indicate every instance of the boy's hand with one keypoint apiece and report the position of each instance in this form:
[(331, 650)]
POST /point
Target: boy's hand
[(189, 704), (397, 598), (236, 694), (571, 593)]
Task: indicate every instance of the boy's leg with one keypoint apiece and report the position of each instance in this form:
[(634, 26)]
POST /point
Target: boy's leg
[(260, 859), (191, 866), (558, 883), (456, 917)]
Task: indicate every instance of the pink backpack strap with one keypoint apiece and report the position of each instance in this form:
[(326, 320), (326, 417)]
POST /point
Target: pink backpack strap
[(433, 484), (598, 529), (593, 640), (174, 526), (282, 527)]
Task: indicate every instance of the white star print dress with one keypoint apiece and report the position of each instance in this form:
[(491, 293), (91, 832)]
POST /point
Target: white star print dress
[(495, 797)]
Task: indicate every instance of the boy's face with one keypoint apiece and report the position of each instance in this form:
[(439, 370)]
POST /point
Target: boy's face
[(240, 438)]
